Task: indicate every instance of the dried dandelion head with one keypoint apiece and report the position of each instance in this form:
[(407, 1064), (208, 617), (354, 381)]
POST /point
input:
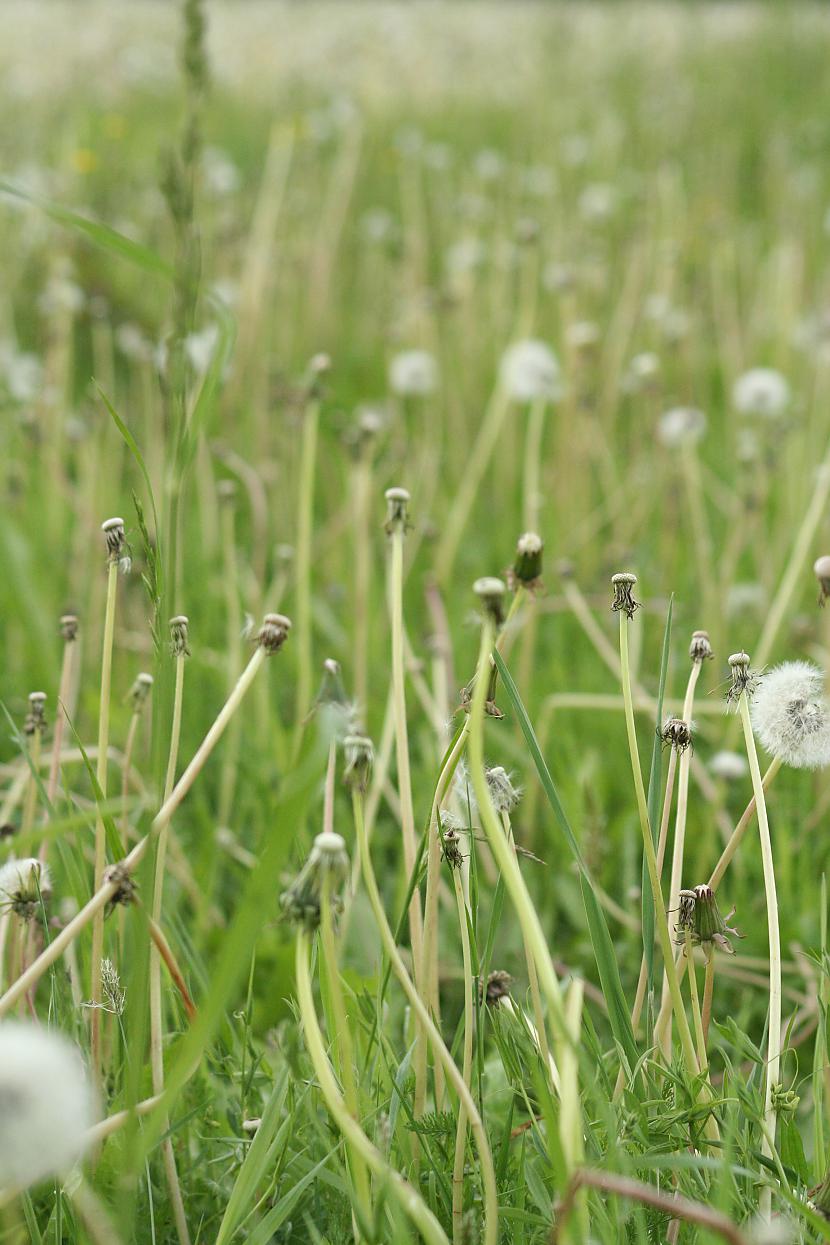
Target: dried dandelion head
[(623, 584), (25, 884), (273, 633), (700, 916)]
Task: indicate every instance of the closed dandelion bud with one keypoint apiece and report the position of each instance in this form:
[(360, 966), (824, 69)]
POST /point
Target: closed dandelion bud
[(273, 633), (328, 858), (820, 1197), (48, 1105), (743, 680), (69, 627), (140, 691), (623, 584), (791, 715), (24, 885), (115, 538), (359, 758), (497, 987), (36, 717), (503, 794), (699, 915), (677, 734), (451, 847), (490, 592), (397, 510), (527, 567), (700, 648), (821, 570), (178, 636)]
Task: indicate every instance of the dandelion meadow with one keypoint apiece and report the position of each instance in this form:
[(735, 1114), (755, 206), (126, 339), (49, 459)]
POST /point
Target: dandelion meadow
[(415, 546)]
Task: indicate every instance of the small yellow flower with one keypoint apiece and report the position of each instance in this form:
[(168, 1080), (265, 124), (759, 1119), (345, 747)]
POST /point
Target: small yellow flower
[(84, 160)]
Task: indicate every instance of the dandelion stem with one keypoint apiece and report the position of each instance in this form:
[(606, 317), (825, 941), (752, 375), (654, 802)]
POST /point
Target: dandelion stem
[(774, 1026), (342, 1044), (108, 889), (661, 921), (406, 1195), (708, 989), (680, 825), (100, 832), (466, 1064), (700, 1037), (305, 520), (485, 1158)]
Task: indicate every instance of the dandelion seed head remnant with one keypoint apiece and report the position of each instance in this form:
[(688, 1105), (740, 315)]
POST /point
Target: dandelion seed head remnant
[(791, 715), (46, 1105)]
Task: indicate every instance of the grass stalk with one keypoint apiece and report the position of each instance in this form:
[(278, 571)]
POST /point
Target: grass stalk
[(466, 1060)]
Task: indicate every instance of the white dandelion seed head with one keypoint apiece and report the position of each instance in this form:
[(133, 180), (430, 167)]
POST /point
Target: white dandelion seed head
[(682, 425), (761, 391), (504, 795), (413, 374), (730, 766), (46, 1104), (529, 369), (20, 881), (791, 715)]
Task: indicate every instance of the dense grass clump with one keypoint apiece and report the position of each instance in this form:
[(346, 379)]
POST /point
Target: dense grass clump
[(413, 791)]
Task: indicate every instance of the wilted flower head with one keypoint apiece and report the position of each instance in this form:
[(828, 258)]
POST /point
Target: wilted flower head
[(23, 884), (140, 690), (359, 757), (48, 1105), (677, 734), (490, 592), (700, 648), (821, 570), (791, 715), (761, 391), (273, 633), (328, 859), (700, 916), (503, 794), (36, 717), (338, 714), (623, 584), (413, 374), (529, 369), (527, 566), (497, 987), (682, 425)]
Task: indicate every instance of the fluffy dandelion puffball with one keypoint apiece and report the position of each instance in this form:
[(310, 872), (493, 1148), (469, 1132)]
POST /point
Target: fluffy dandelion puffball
[(47, 1105), (791, 715), (413, 374), (24, 881), (761, 391), (682, 425), (529, 370)]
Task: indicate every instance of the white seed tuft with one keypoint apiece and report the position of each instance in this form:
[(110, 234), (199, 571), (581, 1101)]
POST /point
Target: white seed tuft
[(761, 392), (791, 715), (413, 374), (529, 369), (47, 1105)]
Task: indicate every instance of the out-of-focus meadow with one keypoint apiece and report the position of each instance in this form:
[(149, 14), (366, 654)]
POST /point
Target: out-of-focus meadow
[(189, 224)]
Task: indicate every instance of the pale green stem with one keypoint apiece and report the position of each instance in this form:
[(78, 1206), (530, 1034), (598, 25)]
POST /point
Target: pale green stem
[(396, 538), (156, 1010), (100, 830), (485, 1158), (708, 990), (305, 520), (230, 757), (30, 804), (680, 826), (406, 1195), (361, 501), (109, 889), (342, 1043), (700, 1037), (466, 1065), (532, 494), (660, 919), (717, 877), (774, 1027), (455, 521), (532, 975)]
